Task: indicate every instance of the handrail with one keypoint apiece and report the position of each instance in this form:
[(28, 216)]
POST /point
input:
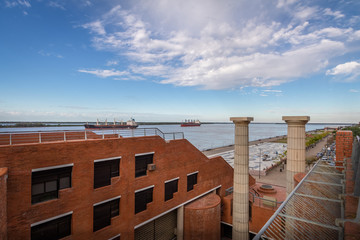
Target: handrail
[(267, 224), (26, 137), (261, 200)]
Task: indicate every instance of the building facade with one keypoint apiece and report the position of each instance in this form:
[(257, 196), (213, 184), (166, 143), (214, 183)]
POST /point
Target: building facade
[(107, 188)]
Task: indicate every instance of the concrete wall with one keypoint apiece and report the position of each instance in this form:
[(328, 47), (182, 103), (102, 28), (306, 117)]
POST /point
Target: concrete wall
[(173, 159)]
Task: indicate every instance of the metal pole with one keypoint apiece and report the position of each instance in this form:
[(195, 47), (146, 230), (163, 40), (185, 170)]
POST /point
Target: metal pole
[(39, 137), (10, 139), (260, 163), (64, 136), (85, 135)]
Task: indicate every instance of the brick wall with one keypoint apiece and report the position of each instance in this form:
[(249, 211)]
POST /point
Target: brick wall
[(202, 218), (3, 203), (344, 141), (173, 159)]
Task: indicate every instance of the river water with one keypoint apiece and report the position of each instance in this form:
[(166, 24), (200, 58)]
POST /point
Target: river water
[(206, 136)]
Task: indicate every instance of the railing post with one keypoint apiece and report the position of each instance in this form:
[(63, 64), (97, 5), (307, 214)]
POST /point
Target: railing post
[(103, 134), (64, 136), (85, 135), (10, 139), (39, 137)]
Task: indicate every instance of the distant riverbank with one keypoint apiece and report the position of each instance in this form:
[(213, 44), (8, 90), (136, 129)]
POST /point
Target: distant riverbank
[(18, 124)]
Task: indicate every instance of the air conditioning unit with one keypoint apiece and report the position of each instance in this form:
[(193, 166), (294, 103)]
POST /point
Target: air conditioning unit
[(151, 167)]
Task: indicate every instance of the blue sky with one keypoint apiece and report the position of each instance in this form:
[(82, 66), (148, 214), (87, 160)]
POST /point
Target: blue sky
[(79, 60)]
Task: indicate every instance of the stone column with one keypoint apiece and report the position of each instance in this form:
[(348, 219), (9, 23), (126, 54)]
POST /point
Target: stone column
[(296, 152), (241, 179), (180, 223)]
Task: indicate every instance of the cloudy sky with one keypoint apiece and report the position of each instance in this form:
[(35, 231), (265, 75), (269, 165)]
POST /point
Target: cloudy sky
[(79, 60)]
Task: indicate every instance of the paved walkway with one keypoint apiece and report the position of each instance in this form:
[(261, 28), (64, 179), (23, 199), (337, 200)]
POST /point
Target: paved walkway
[(274, 177)]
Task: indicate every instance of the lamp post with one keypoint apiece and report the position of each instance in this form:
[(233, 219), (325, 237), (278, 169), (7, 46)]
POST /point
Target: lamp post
[(260, 163)]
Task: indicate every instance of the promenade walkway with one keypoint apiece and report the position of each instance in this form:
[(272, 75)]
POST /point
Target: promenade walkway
[(275, 176)]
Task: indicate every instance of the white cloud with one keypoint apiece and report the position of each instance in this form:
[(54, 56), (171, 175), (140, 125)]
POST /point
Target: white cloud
[(272, 90), (95, 27), (15, 3), (103, 73), (345, 68), (347, 72), (353, 90), (185, 46), (153, 70), (305, 13), (111, 63), (336, 14), (49, 54), (56, 5), (282, 3)]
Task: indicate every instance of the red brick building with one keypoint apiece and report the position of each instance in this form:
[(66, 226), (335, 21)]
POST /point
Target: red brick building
[(111, 188)]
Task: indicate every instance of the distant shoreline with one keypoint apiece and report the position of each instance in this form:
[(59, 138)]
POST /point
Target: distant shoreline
[(20, 124), (217, 150)]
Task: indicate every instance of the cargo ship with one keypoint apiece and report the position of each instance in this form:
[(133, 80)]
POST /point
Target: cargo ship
[(191, 123), (130, 124)]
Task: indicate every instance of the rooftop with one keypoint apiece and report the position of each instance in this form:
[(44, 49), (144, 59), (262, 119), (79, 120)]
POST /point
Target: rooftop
[(27, 137)]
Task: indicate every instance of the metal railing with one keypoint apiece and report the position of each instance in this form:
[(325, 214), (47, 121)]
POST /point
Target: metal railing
[(263, 202), (311, 209), (14, 138)]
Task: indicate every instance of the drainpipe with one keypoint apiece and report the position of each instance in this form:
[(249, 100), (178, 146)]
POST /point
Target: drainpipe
[(241, 178)]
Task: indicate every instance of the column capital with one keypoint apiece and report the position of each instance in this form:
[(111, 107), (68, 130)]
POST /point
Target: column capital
[(241, 120), (296, 119)]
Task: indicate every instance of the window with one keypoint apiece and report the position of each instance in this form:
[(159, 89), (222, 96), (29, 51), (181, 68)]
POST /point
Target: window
[(171, 187), (104, 170), (191, 180), (104, 211), (250, 211), (142, 198), (46, 183), (52, 229), (141, 162)]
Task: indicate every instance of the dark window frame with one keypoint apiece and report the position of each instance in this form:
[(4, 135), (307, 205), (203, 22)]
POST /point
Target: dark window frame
[(45, 184), (103, 212), (191, 180), (52, 229), (141, 162), (142, 198), (104, 170), (171, 187)]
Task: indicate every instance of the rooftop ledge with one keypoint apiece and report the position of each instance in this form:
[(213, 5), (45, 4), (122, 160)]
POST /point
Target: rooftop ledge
[(36, 137)]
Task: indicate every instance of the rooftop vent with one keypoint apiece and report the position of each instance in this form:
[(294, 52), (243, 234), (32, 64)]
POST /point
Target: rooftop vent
[(266, 188)]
